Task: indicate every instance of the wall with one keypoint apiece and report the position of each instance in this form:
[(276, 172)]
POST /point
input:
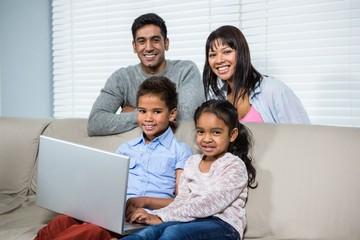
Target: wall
[(25, 58)]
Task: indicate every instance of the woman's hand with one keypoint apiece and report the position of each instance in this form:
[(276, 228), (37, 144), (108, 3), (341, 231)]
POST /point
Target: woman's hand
[(141, 216)]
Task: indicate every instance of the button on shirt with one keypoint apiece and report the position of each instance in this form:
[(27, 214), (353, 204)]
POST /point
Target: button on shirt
[(152, 170)]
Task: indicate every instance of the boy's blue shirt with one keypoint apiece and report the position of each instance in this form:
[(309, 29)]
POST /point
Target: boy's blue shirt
[(152, 170)]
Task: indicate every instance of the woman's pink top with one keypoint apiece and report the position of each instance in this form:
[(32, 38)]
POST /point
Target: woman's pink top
[(252, 116)]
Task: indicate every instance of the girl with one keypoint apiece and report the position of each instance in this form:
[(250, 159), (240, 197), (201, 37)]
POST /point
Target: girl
[(214, 185), (229, 74)]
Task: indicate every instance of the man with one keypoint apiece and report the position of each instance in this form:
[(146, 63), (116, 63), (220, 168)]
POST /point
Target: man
[(149, 43)]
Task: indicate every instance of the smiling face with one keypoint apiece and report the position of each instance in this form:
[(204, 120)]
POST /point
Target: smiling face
[(222, 60), (150, 46), (213, 136), (153, 116)]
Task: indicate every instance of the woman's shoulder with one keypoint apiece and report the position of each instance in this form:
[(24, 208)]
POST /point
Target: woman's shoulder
[(269, 82), (271, 86)]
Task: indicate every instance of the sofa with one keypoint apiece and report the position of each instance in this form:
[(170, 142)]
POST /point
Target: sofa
[(308, 177)]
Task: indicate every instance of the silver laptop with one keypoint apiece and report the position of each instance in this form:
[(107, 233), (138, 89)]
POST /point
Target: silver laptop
[(85, 183)]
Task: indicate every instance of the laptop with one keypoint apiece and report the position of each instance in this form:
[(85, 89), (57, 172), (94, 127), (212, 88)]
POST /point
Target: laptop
[(85, 183)]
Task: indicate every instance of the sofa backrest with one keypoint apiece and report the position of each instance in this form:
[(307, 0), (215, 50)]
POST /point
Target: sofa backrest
[(75, 130), (308, 183)]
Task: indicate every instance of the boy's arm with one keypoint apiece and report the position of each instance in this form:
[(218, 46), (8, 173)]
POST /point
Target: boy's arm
[(150, 202), (178, 173), (147, 202), (156, 203)]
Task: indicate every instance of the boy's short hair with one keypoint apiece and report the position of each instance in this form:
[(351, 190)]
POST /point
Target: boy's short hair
[(161, 87), (146, 19)]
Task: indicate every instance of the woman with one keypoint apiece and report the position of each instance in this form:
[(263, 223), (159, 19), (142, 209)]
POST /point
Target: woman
[(229, 74)]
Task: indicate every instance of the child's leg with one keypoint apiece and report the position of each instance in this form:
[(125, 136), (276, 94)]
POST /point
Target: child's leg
[(65, 227), (207, 228), (84, 231), (55, 227), (150, 232)]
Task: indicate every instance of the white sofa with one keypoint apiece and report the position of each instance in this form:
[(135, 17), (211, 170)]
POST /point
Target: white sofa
[(308, 177)]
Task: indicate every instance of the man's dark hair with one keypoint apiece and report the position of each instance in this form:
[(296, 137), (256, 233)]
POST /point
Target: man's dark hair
[(146, 19)]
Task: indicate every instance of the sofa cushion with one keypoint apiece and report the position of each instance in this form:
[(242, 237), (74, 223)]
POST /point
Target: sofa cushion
[(308, 183), (18, 147), (25, 221)]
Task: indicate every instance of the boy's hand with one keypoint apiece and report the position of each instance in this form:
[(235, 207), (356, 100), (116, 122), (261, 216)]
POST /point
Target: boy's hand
[(141, 216), (132, 204), (138, 202)]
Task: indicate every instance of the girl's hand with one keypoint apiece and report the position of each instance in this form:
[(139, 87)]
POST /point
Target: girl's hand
[(141, 216)]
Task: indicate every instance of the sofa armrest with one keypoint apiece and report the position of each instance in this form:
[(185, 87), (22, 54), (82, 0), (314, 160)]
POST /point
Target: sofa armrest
[(18, 149)]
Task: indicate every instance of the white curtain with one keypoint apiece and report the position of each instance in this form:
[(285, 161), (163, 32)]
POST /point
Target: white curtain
[(311, 45)]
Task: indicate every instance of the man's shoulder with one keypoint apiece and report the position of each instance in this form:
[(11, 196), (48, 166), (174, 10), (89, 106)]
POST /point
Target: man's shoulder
[(127, 69), (181, 63), (126, 73)]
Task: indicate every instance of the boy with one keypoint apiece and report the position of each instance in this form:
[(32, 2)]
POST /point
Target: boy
[(157, 160)]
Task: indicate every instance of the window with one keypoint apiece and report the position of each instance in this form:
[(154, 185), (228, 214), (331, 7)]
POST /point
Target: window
[(312, 46)]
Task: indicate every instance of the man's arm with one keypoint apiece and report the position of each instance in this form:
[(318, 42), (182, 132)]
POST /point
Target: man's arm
[(103, 119), (190, 89)]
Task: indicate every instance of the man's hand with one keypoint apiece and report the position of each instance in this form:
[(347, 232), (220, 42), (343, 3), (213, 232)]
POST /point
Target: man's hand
[(141, 216), (127, 109)]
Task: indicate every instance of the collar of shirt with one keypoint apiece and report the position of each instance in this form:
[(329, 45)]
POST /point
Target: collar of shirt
[(222, 84), (164, 139)]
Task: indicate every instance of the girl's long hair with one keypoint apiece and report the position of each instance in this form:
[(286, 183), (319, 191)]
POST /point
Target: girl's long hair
[(246, 78), (242, 145)]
